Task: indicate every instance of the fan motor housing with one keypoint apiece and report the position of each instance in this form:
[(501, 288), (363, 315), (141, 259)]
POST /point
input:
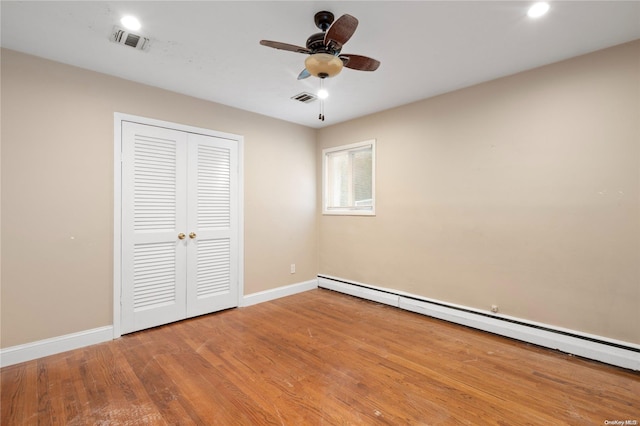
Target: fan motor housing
[(316, 42)]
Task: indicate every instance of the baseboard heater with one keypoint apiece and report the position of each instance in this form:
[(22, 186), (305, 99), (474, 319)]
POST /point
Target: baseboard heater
[(610, 351)]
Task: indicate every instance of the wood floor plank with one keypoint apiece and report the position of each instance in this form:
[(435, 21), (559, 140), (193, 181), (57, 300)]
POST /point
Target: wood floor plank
[(316, 358), (19, 403)]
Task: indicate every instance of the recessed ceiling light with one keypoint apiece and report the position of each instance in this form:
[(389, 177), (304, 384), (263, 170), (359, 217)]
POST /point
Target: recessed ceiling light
[(130, 23), (323, 94), (538, 9)]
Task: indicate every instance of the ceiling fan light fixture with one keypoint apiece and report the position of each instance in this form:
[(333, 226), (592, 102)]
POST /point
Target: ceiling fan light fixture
[(323, 65)]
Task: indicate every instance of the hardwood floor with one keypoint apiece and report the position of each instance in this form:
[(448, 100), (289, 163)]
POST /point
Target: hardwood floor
[(316, 358)]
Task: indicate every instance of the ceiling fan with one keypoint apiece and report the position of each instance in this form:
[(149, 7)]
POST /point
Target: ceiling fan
[(324, 48)]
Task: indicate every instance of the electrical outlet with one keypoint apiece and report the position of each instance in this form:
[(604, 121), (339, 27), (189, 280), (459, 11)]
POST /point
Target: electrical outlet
[(494, 309), (293, 268)]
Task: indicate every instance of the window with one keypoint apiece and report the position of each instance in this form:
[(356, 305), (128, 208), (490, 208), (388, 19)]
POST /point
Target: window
[(348, 179)]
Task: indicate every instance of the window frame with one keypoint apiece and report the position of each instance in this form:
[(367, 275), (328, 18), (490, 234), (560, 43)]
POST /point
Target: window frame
[(325, 177)]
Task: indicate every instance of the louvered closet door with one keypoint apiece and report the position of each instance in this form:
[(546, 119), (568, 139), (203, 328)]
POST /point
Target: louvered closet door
[(179, 225), (212, 218), (154, 213)]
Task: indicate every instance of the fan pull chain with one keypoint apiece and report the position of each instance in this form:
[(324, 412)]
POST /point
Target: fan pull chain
[(321, 115)]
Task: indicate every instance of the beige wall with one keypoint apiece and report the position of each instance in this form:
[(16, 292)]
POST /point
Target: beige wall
[(57, 192), (521, 192)]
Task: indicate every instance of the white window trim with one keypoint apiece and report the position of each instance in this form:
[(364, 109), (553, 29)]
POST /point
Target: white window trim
[(325, 186)]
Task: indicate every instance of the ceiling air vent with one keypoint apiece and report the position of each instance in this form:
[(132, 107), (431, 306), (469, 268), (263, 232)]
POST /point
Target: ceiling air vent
[(304, 97), (127, 38)]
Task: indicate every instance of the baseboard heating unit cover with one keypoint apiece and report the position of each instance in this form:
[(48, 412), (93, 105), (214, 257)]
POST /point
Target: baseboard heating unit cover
[(618, 353)]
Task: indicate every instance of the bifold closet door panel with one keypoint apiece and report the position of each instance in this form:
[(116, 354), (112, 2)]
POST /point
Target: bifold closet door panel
[(212, 272), (154, 221)]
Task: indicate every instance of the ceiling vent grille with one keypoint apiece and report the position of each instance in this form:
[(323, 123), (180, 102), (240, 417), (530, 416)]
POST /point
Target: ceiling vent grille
[(127, 38), (304, 97)]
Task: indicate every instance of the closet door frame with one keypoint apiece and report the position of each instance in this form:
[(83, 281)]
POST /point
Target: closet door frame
[(117, 203)]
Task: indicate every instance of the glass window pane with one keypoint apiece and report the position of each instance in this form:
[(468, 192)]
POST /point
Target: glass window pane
[(337, 175), (362, 183), (349, 179)]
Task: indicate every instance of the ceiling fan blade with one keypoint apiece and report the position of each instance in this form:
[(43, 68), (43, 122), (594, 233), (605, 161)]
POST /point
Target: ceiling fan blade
[(341, 30), (304, 74), (284, 46), (360, 63)]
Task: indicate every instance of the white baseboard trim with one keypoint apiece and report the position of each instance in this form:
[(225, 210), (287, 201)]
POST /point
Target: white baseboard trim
[(610, 351), (276, 293), (41, 348), (30, 351)]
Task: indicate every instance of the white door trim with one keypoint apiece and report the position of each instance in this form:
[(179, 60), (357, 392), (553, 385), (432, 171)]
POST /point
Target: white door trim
[(117, 202)]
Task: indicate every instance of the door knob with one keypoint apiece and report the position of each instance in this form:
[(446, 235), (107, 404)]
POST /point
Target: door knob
[(192, 235), (181, 236)]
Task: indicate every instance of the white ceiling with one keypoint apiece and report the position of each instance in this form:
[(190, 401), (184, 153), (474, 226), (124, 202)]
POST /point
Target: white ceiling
[(210, 49)]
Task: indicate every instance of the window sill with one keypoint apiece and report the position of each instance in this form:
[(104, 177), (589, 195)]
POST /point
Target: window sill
[(349, 213)]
